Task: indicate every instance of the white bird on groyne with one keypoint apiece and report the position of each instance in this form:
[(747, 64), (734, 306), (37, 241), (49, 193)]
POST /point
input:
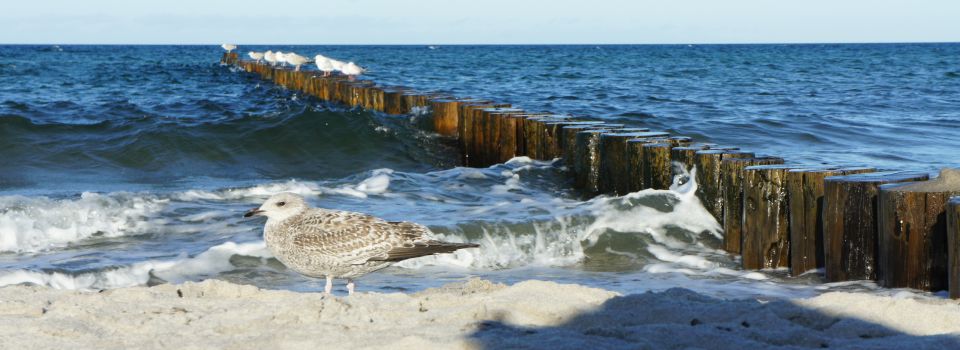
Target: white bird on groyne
[(324, 243), (296, 60), (280, 57), (352, 70), (228, 47), (324, 64), (337, 65), (270, 57), (256, 56)]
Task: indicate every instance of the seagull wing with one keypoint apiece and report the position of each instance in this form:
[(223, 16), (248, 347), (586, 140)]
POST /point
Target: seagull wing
[(354, 238), (357, 238)]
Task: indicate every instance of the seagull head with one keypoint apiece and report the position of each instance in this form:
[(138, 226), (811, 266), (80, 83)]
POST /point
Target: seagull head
[(279, 207)]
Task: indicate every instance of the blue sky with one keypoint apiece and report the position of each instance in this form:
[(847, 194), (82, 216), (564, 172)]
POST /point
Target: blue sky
[(477, 22)]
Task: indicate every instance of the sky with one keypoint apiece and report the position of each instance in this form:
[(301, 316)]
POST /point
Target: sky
[(477, 21)]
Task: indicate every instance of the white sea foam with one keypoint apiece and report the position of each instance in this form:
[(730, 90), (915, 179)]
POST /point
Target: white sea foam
[(30, 224), (209, 263)]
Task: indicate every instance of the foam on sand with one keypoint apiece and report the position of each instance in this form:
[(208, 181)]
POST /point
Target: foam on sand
[(474, 314)]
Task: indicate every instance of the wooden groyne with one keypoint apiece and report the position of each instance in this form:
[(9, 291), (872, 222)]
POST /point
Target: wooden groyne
[(898, 228)]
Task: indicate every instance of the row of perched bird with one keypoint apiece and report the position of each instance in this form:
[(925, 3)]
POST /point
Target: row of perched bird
[(324, 64)]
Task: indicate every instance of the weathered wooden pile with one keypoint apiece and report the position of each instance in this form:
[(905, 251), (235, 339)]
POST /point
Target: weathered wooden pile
[(897, 228)]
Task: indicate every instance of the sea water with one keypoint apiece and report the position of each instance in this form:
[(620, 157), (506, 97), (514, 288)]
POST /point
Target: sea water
[(132, 165)]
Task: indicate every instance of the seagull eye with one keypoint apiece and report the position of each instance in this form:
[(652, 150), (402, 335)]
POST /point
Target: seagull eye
[(280, 204)]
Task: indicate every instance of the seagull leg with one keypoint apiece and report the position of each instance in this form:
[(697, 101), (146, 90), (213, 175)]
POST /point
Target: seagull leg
[(350, 287), (329, 288)]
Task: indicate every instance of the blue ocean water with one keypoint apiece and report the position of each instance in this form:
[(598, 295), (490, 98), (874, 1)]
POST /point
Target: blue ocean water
[(131, 165)]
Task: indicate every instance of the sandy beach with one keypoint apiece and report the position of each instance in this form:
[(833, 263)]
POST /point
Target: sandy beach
[(475, 314)]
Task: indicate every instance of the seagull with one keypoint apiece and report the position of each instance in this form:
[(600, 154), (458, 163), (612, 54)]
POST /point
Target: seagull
[(337, 65), (352, 70), (280, 57), (319, 242), (324, 64), (296, 60), (270, 57), (256, 56), (228, 47)]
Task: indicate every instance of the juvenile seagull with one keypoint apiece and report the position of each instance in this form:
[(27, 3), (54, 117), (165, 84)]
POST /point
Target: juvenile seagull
[(319, 242), (256, 56), (228, 47)]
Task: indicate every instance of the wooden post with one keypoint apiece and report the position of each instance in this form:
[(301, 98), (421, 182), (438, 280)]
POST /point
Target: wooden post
[(657, 168), (472, 136), (229, 58), (445, 116), (393, 99), (680, 141), (570, 140), (358, 91), (465, 124), (374, 98), (731, 178), (485, 132), (552, 142), (913, 232), (587, 162), (850, 235), (549, 130), (805, 188), (709, 188), (493, 142), (953, 243), (634, 148), (686, 154), (534, 130), (523, 129), (615, 170), (766, 235), (415, 102)]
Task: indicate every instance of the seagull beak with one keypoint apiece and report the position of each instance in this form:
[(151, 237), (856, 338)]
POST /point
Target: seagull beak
[(252, 212)]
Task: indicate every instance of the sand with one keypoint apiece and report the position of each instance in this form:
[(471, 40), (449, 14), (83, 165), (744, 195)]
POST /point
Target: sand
[(475, 314)]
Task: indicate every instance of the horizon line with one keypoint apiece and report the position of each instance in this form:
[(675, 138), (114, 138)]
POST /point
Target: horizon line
[(504, 44)]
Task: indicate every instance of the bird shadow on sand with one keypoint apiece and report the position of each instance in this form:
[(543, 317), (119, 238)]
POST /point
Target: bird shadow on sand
[(682, 319)]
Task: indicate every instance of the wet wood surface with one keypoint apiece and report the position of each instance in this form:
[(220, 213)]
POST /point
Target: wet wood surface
[(953, 243), (709, 186), (765, 235), (912, 219), (732, 188), (850, 233), (806, 189), (615, 175)]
